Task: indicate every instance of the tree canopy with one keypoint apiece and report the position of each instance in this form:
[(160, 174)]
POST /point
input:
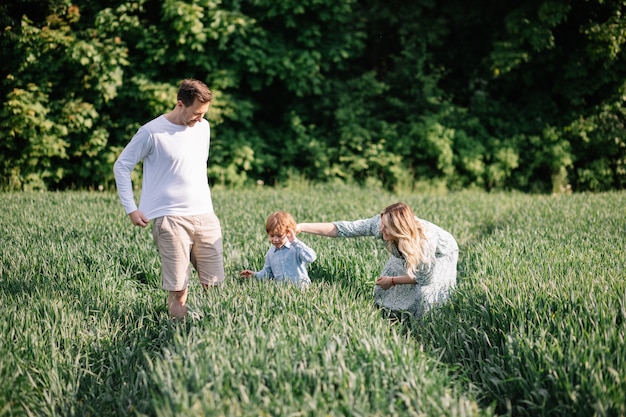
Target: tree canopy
[(525, 95)]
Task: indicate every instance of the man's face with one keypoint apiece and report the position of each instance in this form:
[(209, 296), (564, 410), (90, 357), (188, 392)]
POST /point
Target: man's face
[(191, 115)]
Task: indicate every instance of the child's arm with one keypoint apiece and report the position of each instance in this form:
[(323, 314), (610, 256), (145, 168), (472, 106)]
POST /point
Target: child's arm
[(265, 273), (305, 253)]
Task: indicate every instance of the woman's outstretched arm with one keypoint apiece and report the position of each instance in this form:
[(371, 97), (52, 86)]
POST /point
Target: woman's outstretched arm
[(322, 229)]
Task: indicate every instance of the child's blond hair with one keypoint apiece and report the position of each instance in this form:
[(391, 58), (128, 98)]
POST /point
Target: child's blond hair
[(279, 222)]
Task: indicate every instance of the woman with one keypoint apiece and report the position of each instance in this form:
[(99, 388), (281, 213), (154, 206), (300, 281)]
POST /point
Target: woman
[(421, 270)]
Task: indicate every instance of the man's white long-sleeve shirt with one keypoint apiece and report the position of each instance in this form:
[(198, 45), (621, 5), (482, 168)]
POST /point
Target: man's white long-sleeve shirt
[(175, 181)]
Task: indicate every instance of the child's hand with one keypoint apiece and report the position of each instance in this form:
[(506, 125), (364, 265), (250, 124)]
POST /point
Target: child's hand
[(291, 235), (246, 273)]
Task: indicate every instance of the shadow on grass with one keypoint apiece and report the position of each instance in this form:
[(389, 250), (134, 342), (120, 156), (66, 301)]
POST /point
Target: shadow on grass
[(119, 381)]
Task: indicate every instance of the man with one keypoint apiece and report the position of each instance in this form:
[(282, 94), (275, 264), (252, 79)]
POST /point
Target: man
[(175, 193)]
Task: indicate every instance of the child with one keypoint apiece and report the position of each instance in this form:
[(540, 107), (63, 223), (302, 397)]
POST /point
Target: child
[(286, 260)]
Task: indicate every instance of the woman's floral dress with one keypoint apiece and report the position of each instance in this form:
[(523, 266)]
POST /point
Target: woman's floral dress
[(433, 282)]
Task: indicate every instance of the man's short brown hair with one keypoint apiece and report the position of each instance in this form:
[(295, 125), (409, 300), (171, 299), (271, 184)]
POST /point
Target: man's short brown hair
[(191, 89)]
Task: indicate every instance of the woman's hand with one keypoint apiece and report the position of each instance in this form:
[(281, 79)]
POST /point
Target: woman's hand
[(385, 282)]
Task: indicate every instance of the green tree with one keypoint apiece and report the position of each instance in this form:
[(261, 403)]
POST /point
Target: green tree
[(50, 136), (524, 95)]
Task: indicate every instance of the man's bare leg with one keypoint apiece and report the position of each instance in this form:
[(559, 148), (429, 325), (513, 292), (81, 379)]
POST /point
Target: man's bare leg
[(176, 303)]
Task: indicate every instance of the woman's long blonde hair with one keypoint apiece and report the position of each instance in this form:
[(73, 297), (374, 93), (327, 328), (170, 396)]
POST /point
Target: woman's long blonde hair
[(408, 234)]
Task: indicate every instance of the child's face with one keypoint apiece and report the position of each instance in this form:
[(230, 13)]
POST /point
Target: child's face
[(277, 238)]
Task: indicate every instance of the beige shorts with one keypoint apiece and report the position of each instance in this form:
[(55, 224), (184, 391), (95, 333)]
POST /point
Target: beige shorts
[(183, 241)]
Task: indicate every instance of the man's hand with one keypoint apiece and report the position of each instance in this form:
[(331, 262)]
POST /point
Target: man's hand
[(138, 218)]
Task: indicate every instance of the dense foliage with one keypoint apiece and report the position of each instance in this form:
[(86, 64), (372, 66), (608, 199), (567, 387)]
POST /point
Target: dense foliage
[(522, 95)]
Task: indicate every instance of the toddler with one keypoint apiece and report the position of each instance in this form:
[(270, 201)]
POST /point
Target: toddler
[(286, 259)]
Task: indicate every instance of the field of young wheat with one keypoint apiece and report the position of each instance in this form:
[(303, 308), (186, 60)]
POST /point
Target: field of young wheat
[(535, 327)]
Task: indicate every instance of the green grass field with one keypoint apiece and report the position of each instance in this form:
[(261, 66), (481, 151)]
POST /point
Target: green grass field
[(536, 326)]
